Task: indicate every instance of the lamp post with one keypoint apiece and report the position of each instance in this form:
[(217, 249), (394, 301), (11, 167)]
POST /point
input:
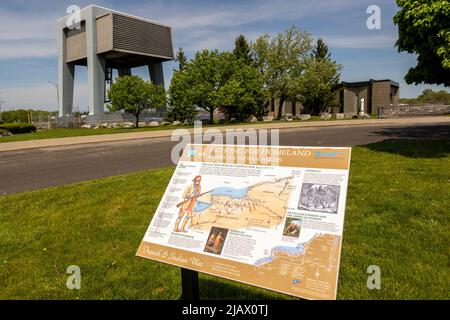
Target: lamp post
[(1, 102), (57, 91)]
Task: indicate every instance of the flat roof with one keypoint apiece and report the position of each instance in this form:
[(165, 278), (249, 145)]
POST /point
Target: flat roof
[(366, 83), (117, 12)]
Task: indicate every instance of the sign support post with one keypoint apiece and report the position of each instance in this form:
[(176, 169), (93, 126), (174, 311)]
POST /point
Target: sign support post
[(189, 285)]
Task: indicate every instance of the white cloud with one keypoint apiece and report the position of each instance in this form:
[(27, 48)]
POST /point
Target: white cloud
[(27, 35), (216, 26), (17, 26), (367, 41), (196, 25), (237, 14)]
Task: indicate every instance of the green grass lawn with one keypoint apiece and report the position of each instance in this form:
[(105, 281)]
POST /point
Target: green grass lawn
[(397, 217), (78, 132)]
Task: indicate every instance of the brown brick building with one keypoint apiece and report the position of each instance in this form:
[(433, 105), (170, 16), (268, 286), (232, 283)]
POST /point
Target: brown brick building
[(376, 93)]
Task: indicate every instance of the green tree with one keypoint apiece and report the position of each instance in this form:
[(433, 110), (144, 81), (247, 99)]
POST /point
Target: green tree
[(19, 115), (281, 62), (215, 80), (434, 97), (320, 82), (181, 107), (242, 50), (320, 51), (134, 95), (242, 94), (206, 76), (181, 59), (181, 103), (424, 29), (209, 71)]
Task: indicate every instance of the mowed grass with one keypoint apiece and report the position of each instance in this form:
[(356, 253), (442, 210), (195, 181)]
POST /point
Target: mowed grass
[(78, 132), (397, 217)]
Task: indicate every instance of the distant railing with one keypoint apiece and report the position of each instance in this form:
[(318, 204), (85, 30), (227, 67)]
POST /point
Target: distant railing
[(77, 121), (412, 110)]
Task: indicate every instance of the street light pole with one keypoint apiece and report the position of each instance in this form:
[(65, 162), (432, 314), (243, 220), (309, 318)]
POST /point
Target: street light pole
[(1, 102), (57, 91)]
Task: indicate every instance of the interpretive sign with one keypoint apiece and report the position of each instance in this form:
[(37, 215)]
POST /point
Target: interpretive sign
[(269, 216)]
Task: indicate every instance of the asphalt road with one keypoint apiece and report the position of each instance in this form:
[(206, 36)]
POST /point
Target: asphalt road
[(32, 169)]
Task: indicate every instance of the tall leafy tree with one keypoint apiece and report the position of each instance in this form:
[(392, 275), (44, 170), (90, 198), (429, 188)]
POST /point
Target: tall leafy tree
[(209, 72), (181, 106), (242, 94), (320, 51), (424, 29), (134, 95), (198, 86), (181, 102), (320, 80), (181, 59), (242, 50), (215, 80), (281, 62)]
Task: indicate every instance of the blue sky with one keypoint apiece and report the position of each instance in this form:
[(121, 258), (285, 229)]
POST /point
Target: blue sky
[(28, 38)]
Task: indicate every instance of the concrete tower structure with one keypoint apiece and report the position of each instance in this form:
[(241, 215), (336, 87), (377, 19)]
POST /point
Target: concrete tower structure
[(103, 40)]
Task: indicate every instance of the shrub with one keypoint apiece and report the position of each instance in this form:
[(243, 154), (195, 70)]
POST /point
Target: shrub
[(4, 132), (16, 128)]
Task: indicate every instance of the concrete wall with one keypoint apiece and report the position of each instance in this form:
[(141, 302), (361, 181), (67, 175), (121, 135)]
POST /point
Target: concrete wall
[(350, 103), (352, 98), (380, 95), (288, 107), (104, 33), (395, 91), (375, 94), (76, 44)]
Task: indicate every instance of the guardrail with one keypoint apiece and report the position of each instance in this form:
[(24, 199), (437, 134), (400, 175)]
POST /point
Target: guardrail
[(413, 110)]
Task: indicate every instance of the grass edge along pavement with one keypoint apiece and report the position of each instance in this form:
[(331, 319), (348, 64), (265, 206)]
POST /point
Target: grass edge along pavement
[(396, 218), (82, 132)]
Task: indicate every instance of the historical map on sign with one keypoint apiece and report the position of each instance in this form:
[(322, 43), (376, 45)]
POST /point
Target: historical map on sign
[(277, 226)]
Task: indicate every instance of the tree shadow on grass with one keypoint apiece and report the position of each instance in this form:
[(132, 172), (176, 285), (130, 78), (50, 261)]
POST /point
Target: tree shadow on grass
[(218, 289), (434, 132), (413, 148)]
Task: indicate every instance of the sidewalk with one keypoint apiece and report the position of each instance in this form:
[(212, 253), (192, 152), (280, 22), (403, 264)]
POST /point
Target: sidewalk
[(42, 143)]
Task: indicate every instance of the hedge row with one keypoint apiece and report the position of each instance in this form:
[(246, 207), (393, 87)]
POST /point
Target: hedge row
[(15, 128)]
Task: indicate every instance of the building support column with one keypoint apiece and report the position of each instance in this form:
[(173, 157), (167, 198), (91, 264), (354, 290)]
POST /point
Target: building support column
[(66, 75), (155, 70), (65, 89), (96, 69)]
